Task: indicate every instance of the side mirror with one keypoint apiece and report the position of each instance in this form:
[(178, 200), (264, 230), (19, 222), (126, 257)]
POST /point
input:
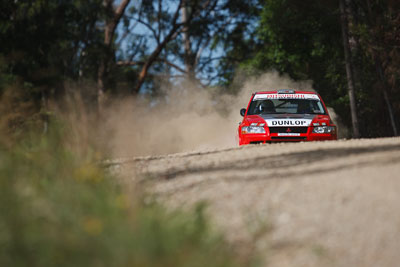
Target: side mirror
[(242, 112)]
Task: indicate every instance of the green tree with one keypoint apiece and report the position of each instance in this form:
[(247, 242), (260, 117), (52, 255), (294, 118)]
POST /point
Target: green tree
[(377, 30), (43, 44), (304, 40)]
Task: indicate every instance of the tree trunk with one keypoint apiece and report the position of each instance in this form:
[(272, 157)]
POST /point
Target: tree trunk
[(45, 114), (154, 55), (379, 70), (113, 18), (100, 85), (390, 110), (354, 42), (188, 57), (385, 94), (349, 69)]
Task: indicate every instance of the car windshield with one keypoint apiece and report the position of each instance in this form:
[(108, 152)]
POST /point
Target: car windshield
[(286, 106)]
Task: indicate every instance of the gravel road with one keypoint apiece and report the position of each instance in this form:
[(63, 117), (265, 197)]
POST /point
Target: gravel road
[(331, 203)]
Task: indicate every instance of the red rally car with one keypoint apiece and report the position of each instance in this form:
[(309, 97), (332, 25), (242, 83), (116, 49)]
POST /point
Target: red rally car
[(285, 115)]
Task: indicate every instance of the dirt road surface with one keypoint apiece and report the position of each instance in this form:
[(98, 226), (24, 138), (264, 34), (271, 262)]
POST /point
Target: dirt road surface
[(300, 204)]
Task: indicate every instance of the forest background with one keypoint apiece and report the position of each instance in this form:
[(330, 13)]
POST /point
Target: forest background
[(110, 49)]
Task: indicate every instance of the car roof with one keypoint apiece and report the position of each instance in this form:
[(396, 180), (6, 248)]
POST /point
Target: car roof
[(286, 91)]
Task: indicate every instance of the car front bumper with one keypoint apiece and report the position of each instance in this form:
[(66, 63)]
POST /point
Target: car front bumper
[(245, 139)]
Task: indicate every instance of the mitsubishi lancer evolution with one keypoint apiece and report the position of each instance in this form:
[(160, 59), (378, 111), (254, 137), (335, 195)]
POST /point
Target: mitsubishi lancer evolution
[(285, 116)]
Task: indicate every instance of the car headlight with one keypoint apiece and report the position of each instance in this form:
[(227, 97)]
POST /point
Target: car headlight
[(324, 129), (253, 129)]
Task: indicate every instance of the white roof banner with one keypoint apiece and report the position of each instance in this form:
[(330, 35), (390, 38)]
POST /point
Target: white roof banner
[(285, 96)]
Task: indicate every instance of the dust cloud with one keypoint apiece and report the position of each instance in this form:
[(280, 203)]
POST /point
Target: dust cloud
[(186, 118)]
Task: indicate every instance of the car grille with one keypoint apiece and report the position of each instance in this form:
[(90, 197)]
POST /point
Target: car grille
[(288, 129), (256, 142), (294, 138)]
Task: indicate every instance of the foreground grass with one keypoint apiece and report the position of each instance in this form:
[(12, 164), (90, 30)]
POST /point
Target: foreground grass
[(59, 208)]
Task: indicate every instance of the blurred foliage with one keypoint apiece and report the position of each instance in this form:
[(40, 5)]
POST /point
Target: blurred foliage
[(61, 208)]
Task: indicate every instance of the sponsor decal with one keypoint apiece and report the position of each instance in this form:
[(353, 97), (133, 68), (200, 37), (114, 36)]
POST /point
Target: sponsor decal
[(288, 134), (288, 122), (285, 96)]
